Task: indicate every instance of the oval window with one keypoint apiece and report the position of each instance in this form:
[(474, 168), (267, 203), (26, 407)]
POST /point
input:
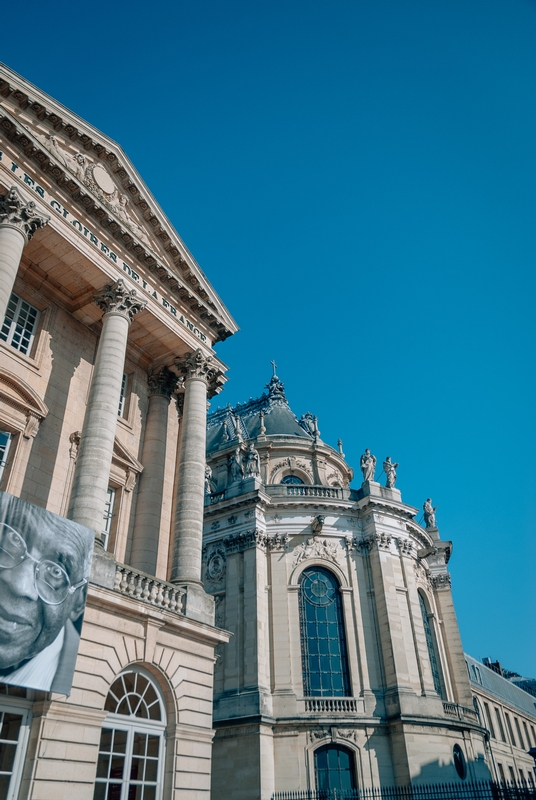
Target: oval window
[(459, 761)]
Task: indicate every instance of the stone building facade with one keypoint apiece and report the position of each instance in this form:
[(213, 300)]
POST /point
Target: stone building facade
[(346, 667), (106, 365)]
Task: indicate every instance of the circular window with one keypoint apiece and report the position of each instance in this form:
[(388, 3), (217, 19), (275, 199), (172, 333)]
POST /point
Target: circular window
[(291, 479), (459, 761)]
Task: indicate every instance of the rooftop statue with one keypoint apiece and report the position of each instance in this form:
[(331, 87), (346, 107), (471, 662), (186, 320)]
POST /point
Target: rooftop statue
[(390, 472), (252, 468), (368, 465), (307, 423), (429, 513), (236, 470)]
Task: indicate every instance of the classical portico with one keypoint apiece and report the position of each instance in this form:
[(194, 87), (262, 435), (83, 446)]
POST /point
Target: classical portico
[(106, 362)]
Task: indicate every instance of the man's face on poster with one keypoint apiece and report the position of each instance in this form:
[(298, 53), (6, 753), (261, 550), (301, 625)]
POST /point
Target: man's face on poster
[(42, 585)]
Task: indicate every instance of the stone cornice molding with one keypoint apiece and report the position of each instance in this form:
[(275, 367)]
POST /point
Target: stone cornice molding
[(199, 294), (238, 542), (199, 366), (161, 381), (17, 212), (117, 299)]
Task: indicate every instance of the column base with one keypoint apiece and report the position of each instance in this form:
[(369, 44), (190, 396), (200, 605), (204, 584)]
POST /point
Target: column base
[(198, 604)]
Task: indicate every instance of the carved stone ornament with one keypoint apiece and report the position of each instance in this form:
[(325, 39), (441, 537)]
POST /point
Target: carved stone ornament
[(161, 381), (74, 440), (380, 540), (22, 214), (200, 366), (316, 548), (238, 542), (96, 178), (405, 546), (216, 565), (32, 425), (278, 542), (350, 734), (117, 299), (321, 733), (441, 582)]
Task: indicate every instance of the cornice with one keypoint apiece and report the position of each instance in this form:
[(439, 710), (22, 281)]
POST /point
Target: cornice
[(198, 294)]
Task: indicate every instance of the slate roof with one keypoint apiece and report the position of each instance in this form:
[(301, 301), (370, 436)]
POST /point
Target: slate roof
[(482, 677), (245, 418)]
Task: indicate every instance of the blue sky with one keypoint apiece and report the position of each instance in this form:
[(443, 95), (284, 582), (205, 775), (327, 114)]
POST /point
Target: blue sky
[(358, 181)]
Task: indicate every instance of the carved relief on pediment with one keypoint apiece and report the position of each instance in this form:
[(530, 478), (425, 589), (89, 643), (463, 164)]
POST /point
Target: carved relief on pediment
[(96, 178), (317, 548)]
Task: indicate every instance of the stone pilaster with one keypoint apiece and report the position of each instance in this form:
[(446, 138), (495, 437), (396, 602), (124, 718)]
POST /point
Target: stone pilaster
[(19, 220), (145, 539), (92, 472), (202, 378)]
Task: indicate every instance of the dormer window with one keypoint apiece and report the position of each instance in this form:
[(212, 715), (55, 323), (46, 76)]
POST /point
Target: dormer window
[(291, 479)]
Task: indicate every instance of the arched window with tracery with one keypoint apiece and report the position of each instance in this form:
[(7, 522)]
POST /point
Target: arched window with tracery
[(334, 770), (323, 640), (131, 750), (431, 644)]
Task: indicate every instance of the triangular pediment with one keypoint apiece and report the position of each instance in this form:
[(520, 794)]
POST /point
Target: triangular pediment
[(100, 178), (124, 457)]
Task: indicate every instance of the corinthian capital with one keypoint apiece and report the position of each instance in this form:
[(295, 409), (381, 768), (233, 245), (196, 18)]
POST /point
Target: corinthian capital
[(200, 366), (161, 381), (117, 299), (20, 213)]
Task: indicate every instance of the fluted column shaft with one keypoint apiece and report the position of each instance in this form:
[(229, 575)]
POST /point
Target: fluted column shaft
[(18, 222), (146, 534), (188, 532), (92, 473)]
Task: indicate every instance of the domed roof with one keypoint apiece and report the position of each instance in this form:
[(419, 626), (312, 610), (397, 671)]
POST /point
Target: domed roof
[(270, 411)]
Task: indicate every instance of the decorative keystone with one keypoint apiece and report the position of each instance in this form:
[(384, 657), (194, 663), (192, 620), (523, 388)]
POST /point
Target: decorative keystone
[(117, 299), (21, 214)]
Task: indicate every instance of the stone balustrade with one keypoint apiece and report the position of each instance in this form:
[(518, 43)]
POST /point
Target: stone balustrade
[(148, 589), (460, 712), (331, 705)]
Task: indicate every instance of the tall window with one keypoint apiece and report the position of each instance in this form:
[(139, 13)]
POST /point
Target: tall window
[(14, 730), (334, 769), (5, 443), (108, 517), (131, 750), (324, 656), (122, 400), (432, 648), (20, 324)]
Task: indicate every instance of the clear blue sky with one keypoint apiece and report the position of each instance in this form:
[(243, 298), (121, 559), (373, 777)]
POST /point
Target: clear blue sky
[(358, 181)]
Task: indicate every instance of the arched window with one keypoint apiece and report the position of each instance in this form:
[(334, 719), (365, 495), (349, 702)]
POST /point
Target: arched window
[(432, 648), (324, 656), (131, 750), (334, 769), (292, 479)]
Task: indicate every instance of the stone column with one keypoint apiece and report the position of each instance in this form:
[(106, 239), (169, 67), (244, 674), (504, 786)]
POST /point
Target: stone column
[(19, 220), (200, 374), (92, 473), (146, 535)]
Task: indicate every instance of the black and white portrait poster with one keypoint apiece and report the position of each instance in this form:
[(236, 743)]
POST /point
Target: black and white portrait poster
[(45, 562)]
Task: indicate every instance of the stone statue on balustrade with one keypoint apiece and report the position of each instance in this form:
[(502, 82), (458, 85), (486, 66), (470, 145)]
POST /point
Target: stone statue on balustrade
[(368, 465), (252, 467), (209, 487), (236, 470), (429, 513), (390, 472)]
